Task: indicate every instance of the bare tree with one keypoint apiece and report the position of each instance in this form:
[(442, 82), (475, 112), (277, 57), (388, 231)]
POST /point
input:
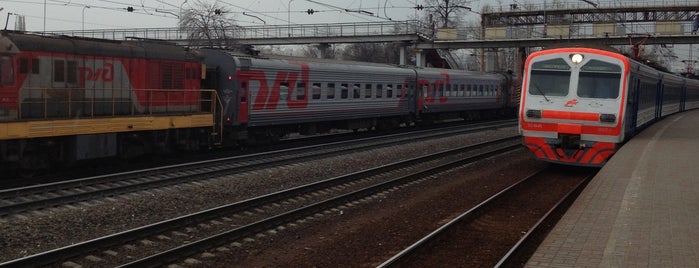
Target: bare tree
[(373, 52), (206, 24), (447, 12)]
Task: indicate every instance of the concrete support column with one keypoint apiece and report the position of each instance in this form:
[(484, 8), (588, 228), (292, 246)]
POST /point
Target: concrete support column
[(420, 58), (491, 60), (403, 58), (323, 50)]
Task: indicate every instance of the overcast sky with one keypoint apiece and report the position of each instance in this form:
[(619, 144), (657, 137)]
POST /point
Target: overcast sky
[(112, 14), (64, 15)]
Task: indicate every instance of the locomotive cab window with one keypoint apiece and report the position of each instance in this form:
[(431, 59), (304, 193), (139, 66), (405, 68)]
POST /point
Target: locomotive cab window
[(6, 70), (23, 65), (550, 78), (599, 80)]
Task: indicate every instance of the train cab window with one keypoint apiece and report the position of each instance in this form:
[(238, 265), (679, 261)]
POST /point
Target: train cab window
[(344, 91), (59, 70), (23, 65), (243, 91), (379, 91), (600, 80), (6, 70), (330, 91), (72, 71), (35, 66), (367, 90), (300, 91), (550, 78), (315, 88), (389, 91)]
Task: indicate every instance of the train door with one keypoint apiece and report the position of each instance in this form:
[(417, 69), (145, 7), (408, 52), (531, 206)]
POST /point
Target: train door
[(632, 106), (423, 93), (660, 88), (243, 91), (8, 89), (63, 94), (683, 96)]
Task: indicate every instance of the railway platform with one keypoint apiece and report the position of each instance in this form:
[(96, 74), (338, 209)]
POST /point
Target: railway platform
[(640, 210)]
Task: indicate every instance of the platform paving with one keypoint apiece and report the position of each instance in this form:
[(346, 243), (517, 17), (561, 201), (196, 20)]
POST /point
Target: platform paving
[(640, 210)]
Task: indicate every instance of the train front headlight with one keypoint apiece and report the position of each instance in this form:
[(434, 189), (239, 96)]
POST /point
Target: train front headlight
[(533, 113), (607, 118), (577, 58)]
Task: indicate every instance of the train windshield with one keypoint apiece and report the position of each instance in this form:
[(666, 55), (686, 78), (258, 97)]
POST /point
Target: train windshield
[(600, 80), (550, 78)]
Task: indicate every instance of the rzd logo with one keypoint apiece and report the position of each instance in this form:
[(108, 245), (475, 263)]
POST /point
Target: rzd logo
[(571, 103), (437, 90), (106, 73), (268, 98)]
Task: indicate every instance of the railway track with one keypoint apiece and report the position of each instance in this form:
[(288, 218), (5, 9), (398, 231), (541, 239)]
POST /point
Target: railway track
[(232, 225), (501, 231), (23, 199)]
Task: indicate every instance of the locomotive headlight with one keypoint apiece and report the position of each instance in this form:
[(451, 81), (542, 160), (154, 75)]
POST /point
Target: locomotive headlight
[(533, 113), (576, 58), (608, 118)]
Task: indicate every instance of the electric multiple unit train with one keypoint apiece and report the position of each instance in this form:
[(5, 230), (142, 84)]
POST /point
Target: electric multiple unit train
[(579, 105)]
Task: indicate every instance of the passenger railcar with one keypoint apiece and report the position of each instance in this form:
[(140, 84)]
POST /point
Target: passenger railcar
[(579, 105), (272, 96), (446, 94), (64, 99)]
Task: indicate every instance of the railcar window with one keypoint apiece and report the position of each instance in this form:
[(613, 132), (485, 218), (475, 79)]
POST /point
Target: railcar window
[(300, 91), (35, 66), (462, 90), (550, 78), (344, 91), (468, 90), (389, 91), (316, 91), (599, 80), (399, 91), (379, 91), (355, 91), (330, 91), (283, 91), (367, 91), (480, 90), (59, 70), (7, 70)]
